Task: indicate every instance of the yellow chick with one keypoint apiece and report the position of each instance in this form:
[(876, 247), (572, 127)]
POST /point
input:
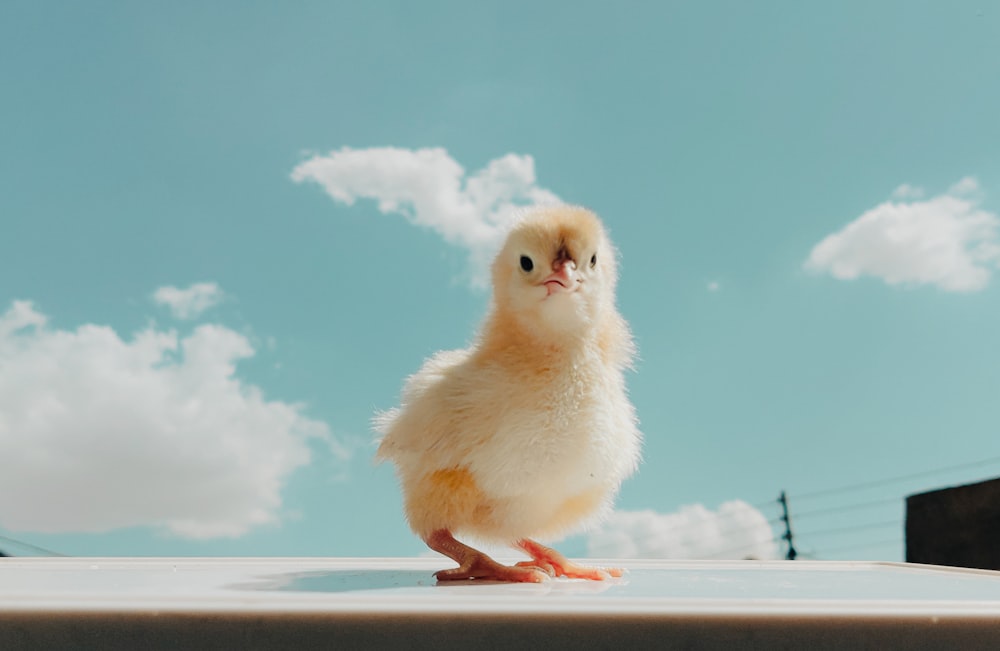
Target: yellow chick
[(529, 432)]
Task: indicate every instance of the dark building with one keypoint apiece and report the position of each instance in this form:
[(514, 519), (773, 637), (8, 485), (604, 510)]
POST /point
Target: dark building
[(957, 526)]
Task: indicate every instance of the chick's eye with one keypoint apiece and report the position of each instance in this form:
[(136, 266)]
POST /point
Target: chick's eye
[(526, 263), (593, 260)]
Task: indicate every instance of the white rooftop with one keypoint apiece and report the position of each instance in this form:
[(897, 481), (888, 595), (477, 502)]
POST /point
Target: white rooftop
[(263, 603)]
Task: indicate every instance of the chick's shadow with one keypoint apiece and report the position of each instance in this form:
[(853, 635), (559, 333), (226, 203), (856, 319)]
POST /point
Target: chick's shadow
[(338, 581)]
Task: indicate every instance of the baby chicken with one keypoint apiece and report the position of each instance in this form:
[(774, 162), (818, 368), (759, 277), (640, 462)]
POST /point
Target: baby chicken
[(529, 432)]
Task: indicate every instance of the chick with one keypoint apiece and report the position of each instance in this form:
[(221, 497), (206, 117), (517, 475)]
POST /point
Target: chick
[(529, 432)]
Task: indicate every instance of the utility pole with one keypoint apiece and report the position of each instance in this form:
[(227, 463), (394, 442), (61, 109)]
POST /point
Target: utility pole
[(783, 501)]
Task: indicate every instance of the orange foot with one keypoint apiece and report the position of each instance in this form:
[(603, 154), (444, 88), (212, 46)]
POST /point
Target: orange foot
[(556, 564), (474, 564)]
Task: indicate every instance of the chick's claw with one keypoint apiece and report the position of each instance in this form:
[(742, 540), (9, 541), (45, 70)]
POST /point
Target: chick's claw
[(486, 569), (538, 565), (474, 564), (558, 565)]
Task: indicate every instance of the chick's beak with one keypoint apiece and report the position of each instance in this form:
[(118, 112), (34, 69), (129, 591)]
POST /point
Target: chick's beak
[(562, 279)]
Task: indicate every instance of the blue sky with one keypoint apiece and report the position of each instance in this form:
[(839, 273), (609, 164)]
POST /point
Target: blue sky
[(804, 197)]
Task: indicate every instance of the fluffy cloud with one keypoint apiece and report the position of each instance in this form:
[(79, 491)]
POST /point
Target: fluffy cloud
[(737, 530), (97, 432), (946, 240), (188, 303), (432, 190)]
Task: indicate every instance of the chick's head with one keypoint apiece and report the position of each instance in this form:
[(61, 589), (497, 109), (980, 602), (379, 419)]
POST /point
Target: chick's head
[(556, 273)]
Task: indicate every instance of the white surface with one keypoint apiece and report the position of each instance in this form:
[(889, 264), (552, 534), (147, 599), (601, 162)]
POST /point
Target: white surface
[(325, 585)]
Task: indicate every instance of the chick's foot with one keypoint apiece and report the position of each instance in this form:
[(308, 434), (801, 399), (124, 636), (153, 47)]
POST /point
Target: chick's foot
[(555, 564), (474, 564)]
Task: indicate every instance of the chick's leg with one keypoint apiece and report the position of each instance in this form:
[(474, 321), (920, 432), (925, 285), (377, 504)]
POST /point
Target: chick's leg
[(556, 564), (474, 564)]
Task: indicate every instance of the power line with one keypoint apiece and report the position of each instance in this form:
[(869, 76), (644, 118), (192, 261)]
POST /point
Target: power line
[(843, 508), (21, 543), (892, 480), (856, 527), (863, 545), (848, 507), (765, 505), (722, 517)]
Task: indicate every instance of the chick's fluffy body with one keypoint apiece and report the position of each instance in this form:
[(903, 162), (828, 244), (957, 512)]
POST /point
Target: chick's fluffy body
[(529, 432)]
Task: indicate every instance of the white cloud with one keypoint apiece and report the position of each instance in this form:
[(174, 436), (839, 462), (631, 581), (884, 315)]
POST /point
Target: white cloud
[(432, 190), (946, 240), (737, 530), (713, 286), (97, 432), (188, 303), (968, 185)]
